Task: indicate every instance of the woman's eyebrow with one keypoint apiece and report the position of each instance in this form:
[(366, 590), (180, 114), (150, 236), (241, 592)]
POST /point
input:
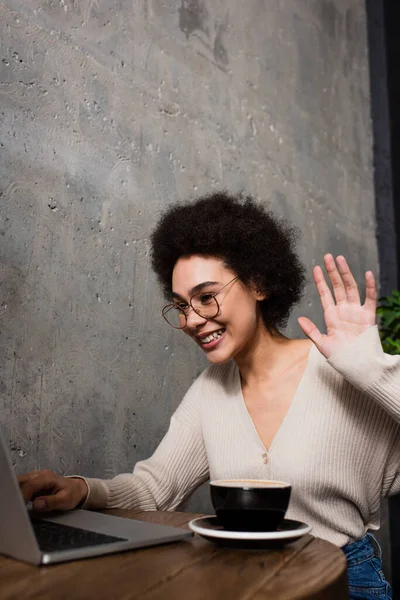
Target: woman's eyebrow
[(197, 288)]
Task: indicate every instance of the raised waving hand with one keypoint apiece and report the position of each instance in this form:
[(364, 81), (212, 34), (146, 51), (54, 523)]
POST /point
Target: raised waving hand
[(345, 316)]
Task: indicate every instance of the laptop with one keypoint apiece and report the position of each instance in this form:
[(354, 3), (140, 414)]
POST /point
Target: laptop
[(58, 537)]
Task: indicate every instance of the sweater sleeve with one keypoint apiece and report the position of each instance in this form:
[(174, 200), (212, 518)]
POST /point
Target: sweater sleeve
[(163, 481), (365, 365)]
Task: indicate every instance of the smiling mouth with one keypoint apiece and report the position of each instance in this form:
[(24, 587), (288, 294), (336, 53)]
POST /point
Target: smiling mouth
[(212, 337)]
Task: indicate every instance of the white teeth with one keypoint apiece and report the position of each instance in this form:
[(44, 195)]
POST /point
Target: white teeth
[(212, 336)]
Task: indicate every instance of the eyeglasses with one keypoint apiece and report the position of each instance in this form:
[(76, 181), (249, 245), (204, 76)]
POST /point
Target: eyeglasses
[(204, 304)]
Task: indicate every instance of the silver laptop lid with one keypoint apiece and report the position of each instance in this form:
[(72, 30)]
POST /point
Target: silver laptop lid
[(16, 535)]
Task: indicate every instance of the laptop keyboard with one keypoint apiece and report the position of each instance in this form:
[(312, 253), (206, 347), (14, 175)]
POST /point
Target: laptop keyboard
[(55, 536)]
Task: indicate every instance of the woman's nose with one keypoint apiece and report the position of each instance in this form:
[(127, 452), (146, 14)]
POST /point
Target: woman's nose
[(193, 320)]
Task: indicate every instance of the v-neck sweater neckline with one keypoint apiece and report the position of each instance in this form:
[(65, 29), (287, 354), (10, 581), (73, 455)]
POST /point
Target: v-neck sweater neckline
[(292, 408)]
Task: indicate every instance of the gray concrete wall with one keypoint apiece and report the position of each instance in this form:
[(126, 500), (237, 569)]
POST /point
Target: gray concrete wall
[(110, 111)]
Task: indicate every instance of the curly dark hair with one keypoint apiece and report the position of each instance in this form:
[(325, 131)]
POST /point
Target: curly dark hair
[(253, 242)]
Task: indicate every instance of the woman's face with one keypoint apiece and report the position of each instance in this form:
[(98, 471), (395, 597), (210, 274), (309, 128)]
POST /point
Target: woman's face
[(231, 332)]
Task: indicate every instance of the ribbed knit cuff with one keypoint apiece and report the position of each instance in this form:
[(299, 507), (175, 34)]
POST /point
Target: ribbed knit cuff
[(98, 494), (123, 491), (82, 502), (362, 362)]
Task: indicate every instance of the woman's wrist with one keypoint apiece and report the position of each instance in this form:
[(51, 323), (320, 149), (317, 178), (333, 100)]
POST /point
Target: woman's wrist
[(82, 489)]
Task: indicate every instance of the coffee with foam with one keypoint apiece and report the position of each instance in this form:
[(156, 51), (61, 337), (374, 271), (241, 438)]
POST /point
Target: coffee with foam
[(250, 483)]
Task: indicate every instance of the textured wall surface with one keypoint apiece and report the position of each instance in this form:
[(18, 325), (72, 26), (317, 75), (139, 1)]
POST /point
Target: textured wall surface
[(110, 111)]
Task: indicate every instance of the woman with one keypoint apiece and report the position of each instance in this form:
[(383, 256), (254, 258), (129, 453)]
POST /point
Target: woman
[(322, 412)]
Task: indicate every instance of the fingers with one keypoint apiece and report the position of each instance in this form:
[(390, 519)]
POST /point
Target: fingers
[(62, 500), (335, 279), (26, 476), (310, 330), (49, 491), (349, 284), (344, 285), (37, 482), (370, 292), (323, 288)]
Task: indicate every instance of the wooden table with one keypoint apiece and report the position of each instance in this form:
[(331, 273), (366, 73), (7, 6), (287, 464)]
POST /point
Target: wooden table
[(193, 569)]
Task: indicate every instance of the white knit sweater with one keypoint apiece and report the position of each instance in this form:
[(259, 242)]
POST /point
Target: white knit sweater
[(338, 445)]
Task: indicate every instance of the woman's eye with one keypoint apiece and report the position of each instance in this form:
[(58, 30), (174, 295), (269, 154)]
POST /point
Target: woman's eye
[(206, 298), (183, 306)]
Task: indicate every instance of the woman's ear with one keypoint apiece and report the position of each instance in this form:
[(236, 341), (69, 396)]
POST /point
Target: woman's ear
[(257, 292), (260, 296)]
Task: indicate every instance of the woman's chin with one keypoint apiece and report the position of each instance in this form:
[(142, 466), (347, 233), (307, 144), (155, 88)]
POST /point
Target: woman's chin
[(218, 357)]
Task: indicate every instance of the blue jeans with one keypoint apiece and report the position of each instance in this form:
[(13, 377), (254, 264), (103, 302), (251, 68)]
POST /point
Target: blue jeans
[(364, 568)]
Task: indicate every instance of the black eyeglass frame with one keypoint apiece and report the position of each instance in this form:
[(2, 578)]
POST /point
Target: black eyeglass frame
[(174, 306)]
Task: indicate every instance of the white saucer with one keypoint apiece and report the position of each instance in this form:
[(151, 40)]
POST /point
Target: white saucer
[(211, 529)]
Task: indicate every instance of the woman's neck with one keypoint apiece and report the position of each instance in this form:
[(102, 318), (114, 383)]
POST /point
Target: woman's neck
[(271, 354)]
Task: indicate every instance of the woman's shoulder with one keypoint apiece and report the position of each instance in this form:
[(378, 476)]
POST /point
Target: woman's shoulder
[(218, 378), (217, 381), (221, 371)]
